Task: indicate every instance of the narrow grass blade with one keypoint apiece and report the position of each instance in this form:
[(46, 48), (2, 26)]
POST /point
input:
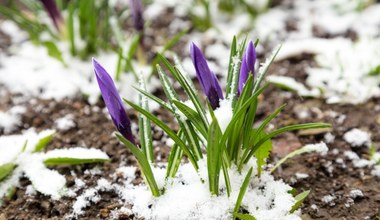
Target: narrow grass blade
[(242, 216), (189, 89), (299, 200), (145, 129), (167, 130), (41, 144), (72, 161), (242, 191), (186, 127), (251, 150), (192, 116), (155, 99), (144, 165), (6, 170), (213, 157), (174, 159)]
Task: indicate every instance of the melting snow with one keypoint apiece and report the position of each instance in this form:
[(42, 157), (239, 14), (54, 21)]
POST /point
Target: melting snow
[(357, 137)]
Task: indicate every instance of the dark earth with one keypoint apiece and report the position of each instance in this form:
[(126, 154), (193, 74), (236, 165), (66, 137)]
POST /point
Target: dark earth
[(93, 129)]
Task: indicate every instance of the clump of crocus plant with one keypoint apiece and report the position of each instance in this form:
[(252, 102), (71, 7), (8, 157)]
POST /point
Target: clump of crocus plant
[(201, 136)]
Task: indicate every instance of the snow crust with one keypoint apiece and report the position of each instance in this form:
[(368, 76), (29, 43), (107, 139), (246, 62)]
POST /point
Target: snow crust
[(187, 196), (11, 118), (31, 164), (343, 65), (29, 70), (357, 137)]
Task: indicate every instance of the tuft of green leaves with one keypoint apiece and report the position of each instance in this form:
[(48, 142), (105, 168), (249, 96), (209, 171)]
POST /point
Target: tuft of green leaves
[(200, 134)]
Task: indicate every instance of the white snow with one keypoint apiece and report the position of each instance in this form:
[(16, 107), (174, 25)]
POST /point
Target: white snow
[(329, 199), (302, 175), (11, 118), (356, 193), (223, 114), (31, 164), (77, 153), (65, 123), (29, 70), (292, 84), (319, 148), (357, 137), (266, 198)]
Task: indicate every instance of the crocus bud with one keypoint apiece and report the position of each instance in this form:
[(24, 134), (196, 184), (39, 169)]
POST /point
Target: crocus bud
[(137, 14), (53, 12), (208, 80), (247, 65), (113, 101)]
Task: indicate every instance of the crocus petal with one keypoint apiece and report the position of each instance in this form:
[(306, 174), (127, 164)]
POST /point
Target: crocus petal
[(113, 101), (53, 12), (247, 65), (207, 79), (137, 14)]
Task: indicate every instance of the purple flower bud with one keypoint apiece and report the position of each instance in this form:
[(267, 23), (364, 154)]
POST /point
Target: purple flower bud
[(208, 80), (247, 65), (53, 12), (113, 101), (137, 14)]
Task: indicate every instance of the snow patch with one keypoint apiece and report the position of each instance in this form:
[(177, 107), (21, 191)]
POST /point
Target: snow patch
[(357, 137)]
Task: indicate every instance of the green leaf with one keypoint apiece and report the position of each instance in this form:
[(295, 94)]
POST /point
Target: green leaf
[(6, 169), (213, 156), (244, 216), (230, 67), (375, 71), (188, 88), (144, 165), (41, 144), (167, 130), (251, 150), (174, 159), (299, 151), (242, 191), (156, 99), (192, 116), (262, 153), (53, 51), (299, 199), (73, 161), (145, 129), (70, 29)]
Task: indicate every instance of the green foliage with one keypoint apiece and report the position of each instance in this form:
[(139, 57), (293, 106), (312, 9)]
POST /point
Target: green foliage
[(243, 189), (41, 144), (72, 161), (80, 24), (299, 199), (6, 169), (200, 132)]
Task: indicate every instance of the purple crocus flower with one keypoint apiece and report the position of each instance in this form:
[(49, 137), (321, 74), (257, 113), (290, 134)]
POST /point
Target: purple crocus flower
[(137, 14), (247, 65), (113, 101), (53, 12), (206, 77)]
